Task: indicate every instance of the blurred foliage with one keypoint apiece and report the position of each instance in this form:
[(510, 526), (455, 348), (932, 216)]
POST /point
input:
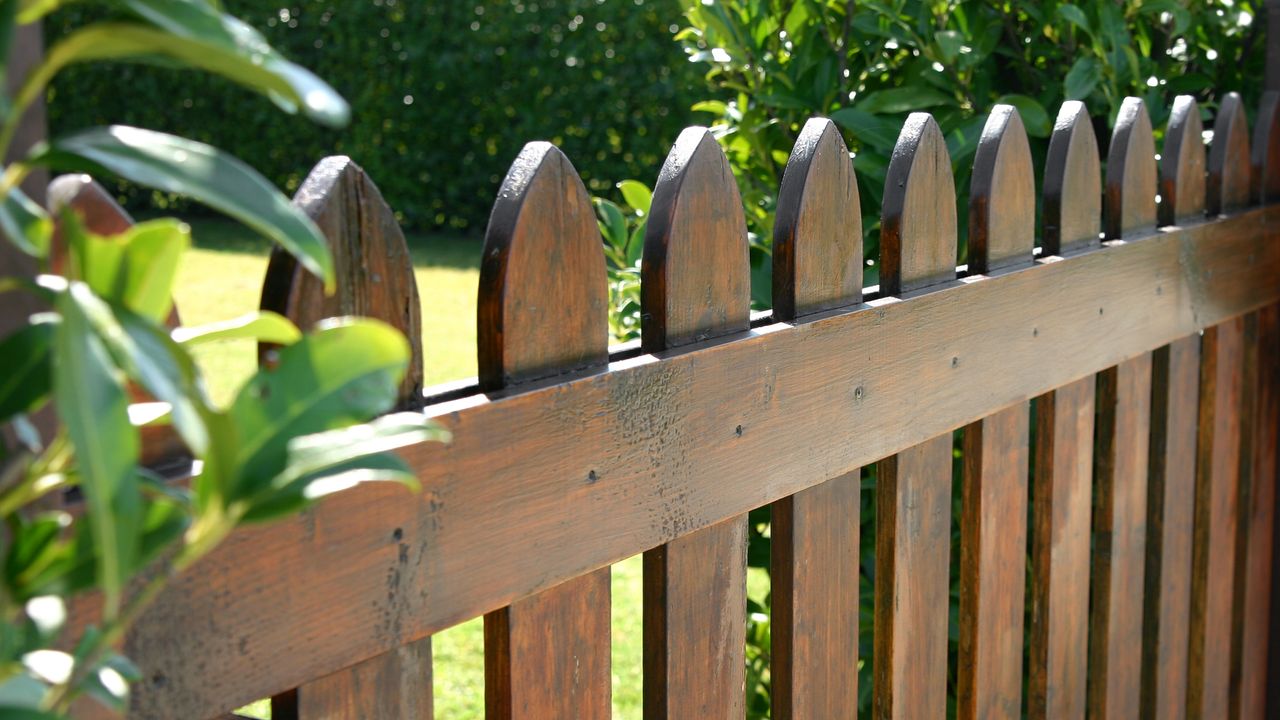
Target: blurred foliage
[(443, 94), (866, 65)]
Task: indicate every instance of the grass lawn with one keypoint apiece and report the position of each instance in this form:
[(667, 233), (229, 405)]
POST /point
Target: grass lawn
[(221, 278)]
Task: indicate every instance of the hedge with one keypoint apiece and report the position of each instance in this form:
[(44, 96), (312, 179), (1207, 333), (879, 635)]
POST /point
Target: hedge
[(444, 94)]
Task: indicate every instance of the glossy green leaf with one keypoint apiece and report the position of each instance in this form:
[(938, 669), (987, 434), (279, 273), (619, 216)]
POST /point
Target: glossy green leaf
[(200, 172), (261, 325), (93, 406), (198, 21), (384, 467), (136, 268), (1034, 117), (1075, 16), (949, 43), (30, 11), (866, 128), (613, 224), (1082, 78), (637, 195), (25, 366), (33, 548), (908, 98), (25, 224), (310, 454), (345, 372)]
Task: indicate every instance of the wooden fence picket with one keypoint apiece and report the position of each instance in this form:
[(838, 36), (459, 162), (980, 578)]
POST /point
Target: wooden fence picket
[(375, 279), (993, 520), (695, 285), (817, 256), (1064, 423), (913, 534), (543, 308), (1175, 382), (1121, 453)]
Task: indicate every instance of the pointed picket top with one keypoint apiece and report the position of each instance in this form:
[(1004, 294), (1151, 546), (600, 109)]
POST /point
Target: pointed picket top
[(1072, 184), (918, 225), (1266, 150), (1002, 203), (1129, 205), (544, 296), (1229, 185), (1182, 164), (371, 263), (817, 237), (696, 271)]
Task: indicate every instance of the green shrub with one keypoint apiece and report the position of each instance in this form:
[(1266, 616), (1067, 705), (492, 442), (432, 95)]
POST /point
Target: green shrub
[(443, 94)]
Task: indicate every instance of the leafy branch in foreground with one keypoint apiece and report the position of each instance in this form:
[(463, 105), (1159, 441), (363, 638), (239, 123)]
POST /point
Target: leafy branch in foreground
[(104, 360)]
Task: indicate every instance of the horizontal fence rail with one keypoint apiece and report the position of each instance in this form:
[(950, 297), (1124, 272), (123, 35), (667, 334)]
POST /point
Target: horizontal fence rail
[(1116, 394)]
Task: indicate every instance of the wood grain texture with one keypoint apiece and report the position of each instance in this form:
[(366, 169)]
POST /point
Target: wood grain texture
[(1256, 572), (918, 225), (371, 262), (1002, 205), (913, 492), (1217, 489), (544, 301), (814, 591), (993, 520), (1182, 164), (660, 433), (695, 285), (1175, 382), (993, 551), (1229, 185), (817, 236), (1059, 588), (913, 540), (542, 310), (1119, 538), (1129, 202), (1072, 184), (696, 269), (396, 684), (1265, 160), (814, 533)]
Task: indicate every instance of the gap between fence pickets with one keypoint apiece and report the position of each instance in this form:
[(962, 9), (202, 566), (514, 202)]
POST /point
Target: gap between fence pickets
[(813, 400)]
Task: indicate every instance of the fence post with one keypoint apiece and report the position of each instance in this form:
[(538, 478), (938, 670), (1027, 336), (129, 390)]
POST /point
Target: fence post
[(993, 521), (375, 279), (817, 265), (1175, 394), (542, 310), (913, 535), (1062, 491), (695, 285)]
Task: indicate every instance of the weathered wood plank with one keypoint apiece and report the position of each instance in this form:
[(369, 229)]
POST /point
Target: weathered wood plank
[(543, 309), (913, 492), (993, 522), (1062, 493), (814, 533), (396, 684), (795, 389), (696, 285), (1122, 448), (1175, 379)]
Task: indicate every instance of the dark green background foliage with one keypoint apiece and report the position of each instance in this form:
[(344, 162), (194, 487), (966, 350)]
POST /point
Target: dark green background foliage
[(604, 81)]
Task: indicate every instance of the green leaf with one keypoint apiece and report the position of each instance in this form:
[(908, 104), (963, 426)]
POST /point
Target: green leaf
[(613, 224), (635, 245), (1075, 16), (1034, 117), (24, 366), (26, 224), (136, 268), (194, 35), (33, 548), (1082, 78), (949, 44), (903, 99), (30, 11), (346, 372), (867, 128), (261, 325), (199, 171), (92, 404), (310, 454), (384, 467), (637, 195)]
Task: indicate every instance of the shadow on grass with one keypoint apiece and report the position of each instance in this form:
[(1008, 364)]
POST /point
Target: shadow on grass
[(219, 234)]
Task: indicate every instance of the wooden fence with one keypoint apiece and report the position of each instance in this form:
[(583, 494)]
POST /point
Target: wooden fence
[(1117, 391)]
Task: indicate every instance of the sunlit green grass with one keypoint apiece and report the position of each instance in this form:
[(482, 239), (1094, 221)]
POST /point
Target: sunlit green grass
[(222, 277)]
